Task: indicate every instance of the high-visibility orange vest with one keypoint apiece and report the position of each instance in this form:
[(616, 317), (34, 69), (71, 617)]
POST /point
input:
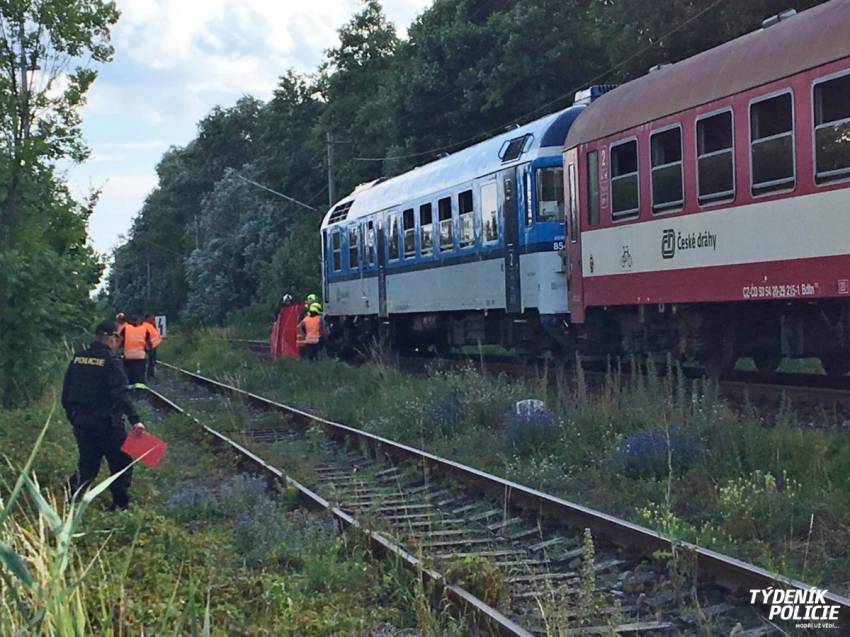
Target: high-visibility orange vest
[(312, 329), (134, 341), (153, 334)]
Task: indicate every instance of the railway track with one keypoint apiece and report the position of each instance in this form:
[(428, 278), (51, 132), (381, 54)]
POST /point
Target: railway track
[(546, 573), (816, 389)]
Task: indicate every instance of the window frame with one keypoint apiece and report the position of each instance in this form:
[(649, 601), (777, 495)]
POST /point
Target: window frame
[(367, 239), (724, 198), (836, 180), (792, 185), (528, 192), (633, 213), (430, 251), (412, 230), (571, 198), (471, 214), (335, 233), (538, 185), (451, 220), (590, 222), (354, 230), (675, 206), (495, 186), (393, 224)]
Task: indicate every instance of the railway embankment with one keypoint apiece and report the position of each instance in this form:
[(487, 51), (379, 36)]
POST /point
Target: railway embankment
[(206, 548), (672, 456)]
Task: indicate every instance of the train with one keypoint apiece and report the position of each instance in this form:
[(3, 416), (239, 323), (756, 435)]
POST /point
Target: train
[(701, 211)]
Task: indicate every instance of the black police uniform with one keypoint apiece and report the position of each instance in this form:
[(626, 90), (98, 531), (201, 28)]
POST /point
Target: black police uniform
[(95, 395)]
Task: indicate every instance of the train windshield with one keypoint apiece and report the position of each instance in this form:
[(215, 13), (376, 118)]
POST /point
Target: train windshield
[(550, 194)]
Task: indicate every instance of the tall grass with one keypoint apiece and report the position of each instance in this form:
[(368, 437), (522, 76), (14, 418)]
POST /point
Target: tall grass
[(46, 587)]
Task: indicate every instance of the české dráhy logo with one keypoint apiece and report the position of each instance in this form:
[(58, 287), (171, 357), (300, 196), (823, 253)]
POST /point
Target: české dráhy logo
[(668, 243)]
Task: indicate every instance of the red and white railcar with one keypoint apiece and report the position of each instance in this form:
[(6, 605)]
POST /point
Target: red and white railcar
[(710, 202)]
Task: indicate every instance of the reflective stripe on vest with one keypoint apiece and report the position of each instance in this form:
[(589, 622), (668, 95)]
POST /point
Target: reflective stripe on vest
[(134, 342), (312, 329)]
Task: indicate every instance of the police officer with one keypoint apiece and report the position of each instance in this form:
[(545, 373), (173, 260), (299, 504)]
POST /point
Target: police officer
[(95, 396)]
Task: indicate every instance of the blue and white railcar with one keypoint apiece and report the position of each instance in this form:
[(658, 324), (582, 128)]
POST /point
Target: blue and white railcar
[(466, 249)]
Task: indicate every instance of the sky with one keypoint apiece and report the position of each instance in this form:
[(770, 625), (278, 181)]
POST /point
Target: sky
[(177, 59)]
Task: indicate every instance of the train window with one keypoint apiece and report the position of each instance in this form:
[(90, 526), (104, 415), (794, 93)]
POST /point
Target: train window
[(444, 211), (466, 218), (367, 237), (489, 212), (426, 229), (526, 182), (666, 159), (625, 199), (550, 194), (409, 227), (715, 158), (832, 129), (573, 230), (336, 250), (772, 144), (392, 241), (593, 188), (353, 248)]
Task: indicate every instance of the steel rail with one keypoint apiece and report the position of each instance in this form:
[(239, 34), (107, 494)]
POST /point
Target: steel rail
[(485, 614), (728, 572)]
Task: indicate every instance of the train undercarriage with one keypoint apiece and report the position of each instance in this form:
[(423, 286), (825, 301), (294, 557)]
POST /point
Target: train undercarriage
[(712, 335)]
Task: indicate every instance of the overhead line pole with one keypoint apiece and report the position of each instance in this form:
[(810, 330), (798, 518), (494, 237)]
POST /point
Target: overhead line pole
[(329, 143)]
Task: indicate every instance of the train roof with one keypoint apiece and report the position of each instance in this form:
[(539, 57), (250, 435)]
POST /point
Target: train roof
[(814, 37), (461, 167)]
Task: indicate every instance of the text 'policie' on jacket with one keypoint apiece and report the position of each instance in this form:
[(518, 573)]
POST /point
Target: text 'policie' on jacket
[(96, 386), (135, 338)]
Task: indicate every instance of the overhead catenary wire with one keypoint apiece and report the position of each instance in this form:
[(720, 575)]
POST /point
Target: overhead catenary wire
[(563, 96), (275, 192)]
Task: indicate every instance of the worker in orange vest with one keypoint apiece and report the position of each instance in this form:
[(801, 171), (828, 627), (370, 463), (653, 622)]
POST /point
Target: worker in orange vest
[(136, 334), (153, 341), (310, 331)]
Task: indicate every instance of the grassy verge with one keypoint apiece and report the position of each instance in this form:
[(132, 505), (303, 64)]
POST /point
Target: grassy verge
[(205, 550), (656, 451)]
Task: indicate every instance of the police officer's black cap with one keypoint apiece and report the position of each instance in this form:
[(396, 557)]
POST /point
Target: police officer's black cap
[(105, 328)]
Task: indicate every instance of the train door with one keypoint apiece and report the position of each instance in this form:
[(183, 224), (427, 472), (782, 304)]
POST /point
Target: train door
[(382, 269), (574, 182), (513, 298)]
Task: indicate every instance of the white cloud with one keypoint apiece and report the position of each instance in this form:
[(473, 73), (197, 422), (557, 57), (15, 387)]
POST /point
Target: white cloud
[(174, 61), (113, 216)]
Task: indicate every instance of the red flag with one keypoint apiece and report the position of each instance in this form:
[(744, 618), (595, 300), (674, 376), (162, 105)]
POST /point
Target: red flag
[(145, 447)]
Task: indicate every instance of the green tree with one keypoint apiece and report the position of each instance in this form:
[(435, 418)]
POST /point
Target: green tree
[(354, 83), (639, 34), (148, 273), (241, 227), (46, 268)]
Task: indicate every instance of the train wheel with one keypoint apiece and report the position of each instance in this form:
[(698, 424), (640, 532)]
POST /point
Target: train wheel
[(836, 364), (766, 362)]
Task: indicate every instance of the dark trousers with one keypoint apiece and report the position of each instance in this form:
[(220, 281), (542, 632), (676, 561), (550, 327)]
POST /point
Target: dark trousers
[(309, 352), (151, 361), (135, 371), (96, 440)]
